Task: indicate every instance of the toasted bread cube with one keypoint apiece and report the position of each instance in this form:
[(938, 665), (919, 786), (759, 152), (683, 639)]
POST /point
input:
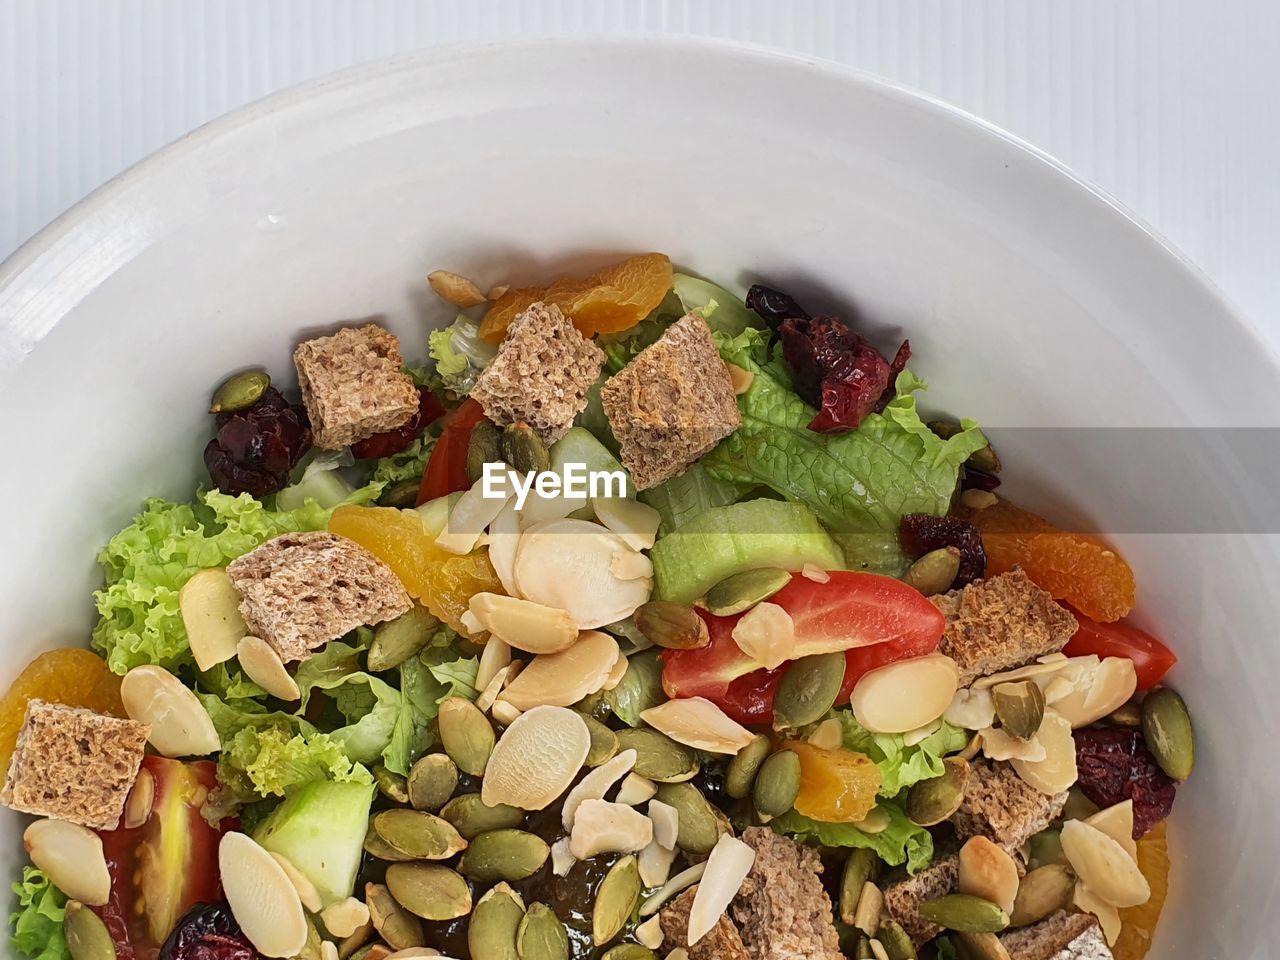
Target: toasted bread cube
[(1060, 936), (73, 764), (721, 943), (782, 909), (1001, 806), (354, 385)]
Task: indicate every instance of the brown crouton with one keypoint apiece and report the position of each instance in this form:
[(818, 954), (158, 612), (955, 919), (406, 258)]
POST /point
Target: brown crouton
[(301, 590), (353, 385), (671, 404), (722, 942), (74, 765), (903, 899), (1001, 806), (1001, 623), (1061, 936), (541, 374), (782, 908)]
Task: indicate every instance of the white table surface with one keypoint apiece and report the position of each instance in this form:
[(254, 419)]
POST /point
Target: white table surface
[(1168, 105)]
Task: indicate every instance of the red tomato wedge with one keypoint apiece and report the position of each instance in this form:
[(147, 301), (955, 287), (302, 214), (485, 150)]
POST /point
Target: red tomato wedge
[(447, 466), (164, 867), (1151, 658), (875, 620)]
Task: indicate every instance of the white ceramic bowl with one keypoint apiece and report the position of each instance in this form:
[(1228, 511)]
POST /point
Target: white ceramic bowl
[(1030, 300)]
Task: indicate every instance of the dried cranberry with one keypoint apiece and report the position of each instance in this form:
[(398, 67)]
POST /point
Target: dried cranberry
[(921, 532), (971, 479), (774, 306), (208, 931), (385, 444), (254, 450), (896, 367), (1115, 765)]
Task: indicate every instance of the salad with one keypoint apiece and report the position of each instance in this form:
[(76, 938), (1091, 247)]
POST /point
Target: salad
[(640, 621)]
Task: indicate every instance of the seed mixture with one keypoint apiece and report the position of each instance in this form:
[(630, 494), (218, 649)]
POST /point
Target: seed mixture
[(804, 686)]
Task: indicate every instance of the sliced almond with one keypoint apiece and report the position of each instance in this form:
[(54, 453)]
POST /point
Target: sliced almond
[(495, 655), (1032, 671), (649, 933), (811, 571), (596, 784), (629, 565), (536, 758), (142, 797), (180, 725), (561, 679), (730, 862), (740, 378), (767, 634), (635, 522), (329, 950), (988, 872), (829, 735), (666, 824), (877, 821), (905, 695), (920, 734), (655, 864), (866, 914), (564, 564), (72, 857), (1116, 822), (523, 624), (455, 289), (603, 827), (618, 672), (998, 745), (697, 722), (504, 539), (1108, 916), (470, 624), (264, 667), (1057, 771), (562, 860), (505, 713), (678, 884), (210, 606), (261, 896), (307, 891), (344, 917), (1104, 865), (487, 696), (971, 708), (498, 291), (1102, 690), (468, 518), (1057, 689), (636, 789)]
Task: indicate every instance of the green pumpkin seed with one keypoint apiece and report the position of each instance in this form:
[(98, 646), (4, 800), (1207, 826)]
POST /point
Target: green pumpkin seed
[(672, 626), (395, 641), (1020, 707), (471, 816), (895, 941), (604, 742), (616, 900), (861, 866), (658, 757), (428, 890), (742, 591), (485, 447), (980, 946), (699, 829), (929, 802), (418, 834), (1078, 806), (431, 782), (375, 846), (629, 951), (934, 572), (965, 913), (391, 785), (87, 936), (542, 935), (402, 495), (396, 925), (510, 855), (742, 770), (777, 785), (240, 392), (1166, 726), (466, 734), (808, 690), (1041, 892), (862, 949), (1126, 715), (1046, 849), (492, 929), (524, 449)]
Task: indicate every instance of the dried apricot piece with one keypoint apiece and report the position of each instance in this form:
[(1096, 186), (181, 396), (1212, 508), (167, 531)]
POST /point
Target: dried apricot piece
[(614, 298), (836, 786), (1138, 924)]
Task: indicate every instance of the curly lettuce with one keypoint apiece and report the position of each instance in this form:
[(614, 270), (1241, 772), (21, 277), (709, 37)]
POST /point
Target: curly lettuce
[(409, 464), (460, 355), (272, 760), (37, 924), (900, 842), (901, 765)]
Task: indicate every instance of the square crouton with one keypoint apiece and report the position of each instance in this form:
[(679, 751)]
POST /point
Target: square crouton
[(722, 942), (671, 404), (74, 764), (1001, 623), (353, 385), (1060, 936), (541, 374), (301, 590), (902, 899), (782, 909), (1001, 806)]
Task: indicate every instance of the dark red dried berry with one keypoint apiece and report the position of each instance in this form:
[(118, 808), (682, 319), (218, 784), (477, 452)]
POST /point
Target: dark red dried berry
[(208, 931), (774, 306), (971, 479), (1115, 765), (896, 367), (430, 409), (920, 533), (254, 450)]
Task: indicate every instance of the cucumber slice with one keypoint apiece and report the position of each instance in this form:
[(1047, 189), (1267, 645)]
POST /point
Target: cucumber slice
[(579, 445)]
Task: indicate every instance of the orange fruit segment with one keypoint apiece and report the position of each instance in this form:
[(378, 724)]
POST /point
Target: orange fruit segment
[(72, 676), (1075, 567), (612, 299), (836, 786), (1138, 924)]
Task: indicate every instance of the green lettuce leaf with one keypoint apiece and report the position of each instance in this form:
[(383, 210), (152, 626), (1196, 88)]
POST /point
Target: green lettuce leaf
[(460, 354), (682, 498), (409, 464), (724, 312), (901, 765), (639, 689), (37, 924), (900, 842), (274, 761)]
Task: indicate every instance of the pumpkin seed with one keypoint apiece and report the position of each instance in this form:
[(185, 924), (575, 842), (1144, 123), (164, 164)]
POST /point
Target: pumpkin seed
[(895, 941), (742, 591), (658, 757), (1078, 806), (981, 946), (808, 690), (87, 936), (402, 495), (1166, 726), (742, 770), (698, 830), (1126, 715), (240, 392), (777, 785), (931, 801), (862, 949), (375, 846), (524, 449), (616, 900), (391, 785), (485, 447), (630, 951), (395, 641), (672, 625), (394, 923), (1041, 892), (491, 931), (471, 816), (1020, 707), (428, 890), (542, 935), (604, 742), (934, 572), (510, 855), (964, 913), (466, 734), (431, 782), (861, 867), (417, 834), (1046, 849)]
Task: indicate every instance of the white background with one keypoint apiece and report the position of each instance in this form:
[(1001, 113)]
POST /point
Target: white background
[(1168, 105)]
